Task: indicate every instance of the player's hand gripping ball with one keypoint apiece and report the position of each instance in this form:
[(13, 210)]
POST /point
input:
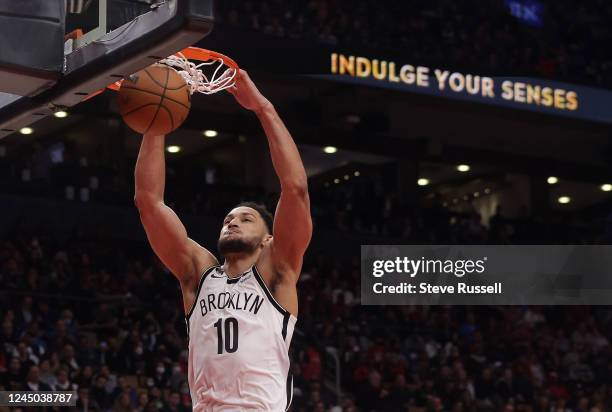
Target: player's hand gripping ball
[(155, 100)]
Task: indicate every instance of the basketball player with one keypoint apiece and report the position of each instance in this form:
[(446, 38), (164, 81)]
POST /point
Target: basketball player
[(240, 314)]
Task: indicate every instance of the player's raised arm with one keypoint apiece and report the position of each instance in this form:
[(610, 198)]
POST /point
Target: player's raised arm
[(292, 221), (166, 234)]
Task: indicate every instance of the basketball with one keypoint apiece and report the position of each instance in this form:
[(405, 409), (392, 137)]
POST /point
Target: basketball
[(155, 100)]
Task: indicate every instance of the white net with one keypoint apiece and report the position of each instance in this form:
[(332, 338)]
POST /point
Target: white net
[(197, 79)]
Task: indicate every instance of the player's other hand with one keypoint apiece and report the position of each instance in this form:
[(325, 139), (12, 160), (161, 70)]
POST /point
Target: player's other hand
[(247, 94)]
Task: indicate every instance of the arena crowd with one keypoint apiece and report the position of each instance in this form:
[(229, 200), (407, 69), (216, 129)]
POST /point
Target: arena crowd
[(570, 45), (104, 318)]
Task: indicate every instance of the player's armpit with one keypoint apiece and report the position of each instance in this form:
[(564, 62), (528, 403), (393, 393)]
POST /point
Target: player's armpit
[(292, 230)]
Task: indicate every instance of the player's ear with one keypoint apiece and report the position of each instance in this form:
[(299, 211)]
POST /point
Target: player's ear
[(266, 239)]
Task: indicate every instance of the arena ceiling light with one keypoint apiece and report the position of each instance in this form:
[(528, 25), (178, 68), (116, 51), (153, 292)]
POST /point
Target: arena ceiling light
[(564, 200), (423, 182), (26, 130), (336, 181), (352, 119), (173, 149), (330, 149), (357, 174), (552, 180), (463, 168), (346, 177), (606, 188), (210, 133), (487, 191), (61, 114)]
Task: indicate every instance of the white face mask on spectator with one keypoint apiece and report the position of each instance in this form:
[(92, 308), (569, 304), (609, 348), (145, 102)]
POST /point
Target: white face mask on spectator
[(160, 369)]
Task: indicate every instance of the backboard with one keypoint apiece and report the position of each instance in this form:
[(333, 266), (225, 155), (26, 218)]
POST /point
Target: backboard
[(104, 41)]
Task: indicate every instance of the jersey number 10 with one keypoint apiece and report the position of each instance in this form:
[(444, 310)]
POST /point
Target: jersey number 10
[(227, 332)]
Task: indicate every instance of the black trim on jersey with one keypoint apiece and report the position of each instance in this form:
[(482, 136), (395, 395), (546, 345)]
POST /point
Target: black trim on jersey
[(204, 275), (234, 280), (285, 323), (263, 285), (289, 390)]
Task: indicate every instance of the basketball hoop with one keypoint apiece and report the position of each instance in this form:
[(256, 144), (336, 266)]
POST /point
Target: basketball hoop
[(206, 77), (216, 71)]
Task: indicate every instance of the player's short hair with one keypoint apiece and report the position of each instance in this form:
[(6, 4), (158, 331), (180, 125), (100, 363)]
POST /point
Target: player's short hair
[(263, 211)]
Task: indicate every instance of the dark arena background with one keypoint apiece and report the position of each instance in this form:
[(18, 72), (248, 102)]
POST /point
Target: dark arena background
[(442, 122)]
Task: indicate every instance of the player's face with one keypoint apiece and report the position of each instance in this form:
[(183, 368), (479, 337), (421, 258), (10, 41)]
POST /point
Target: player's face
[(242, 232)]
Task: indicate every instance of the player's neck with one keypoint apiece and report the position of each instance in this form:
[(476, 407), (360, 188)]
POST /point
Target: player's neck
[(237, 264)]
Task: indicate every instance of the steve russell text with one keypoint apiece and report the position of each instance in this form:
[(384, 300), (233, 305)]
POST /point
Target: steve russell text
[(413, 267), (427, 288)]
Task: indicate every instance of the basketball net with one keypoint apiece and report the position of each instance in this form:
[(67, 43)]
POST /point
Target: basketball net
[(222, 72)]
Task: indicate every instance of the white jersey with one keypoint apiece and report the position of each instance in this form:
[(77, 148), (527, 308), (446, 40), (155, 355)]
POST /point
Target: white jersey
[(239, 339)]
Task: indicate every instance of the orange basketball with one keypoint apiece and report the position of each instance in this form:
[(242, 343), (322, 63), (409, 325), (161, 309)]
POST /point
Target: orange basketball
[(155, 100)]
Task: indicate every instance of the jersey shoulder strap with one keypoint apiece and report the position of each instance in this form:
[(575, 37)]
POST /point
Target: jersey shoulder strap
[(200, 283)]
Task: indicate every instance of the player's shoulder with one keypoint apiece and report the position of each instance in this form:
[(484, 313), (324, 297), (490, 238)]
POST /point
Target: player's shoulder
[(274, 271), (201, 261)]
